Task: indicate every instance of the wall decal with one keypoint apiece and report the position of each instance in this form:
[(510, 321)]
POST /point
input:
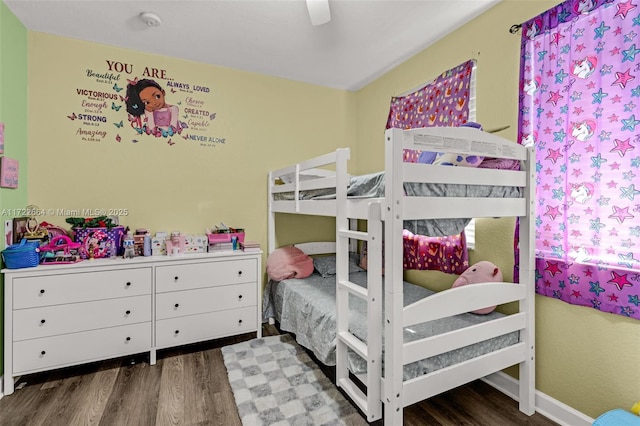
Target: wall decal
[(1, 137), (8, 172), (118, 105)]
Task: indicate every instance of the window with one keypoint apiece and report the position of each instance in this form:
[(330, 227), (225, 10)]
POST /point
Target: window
[(579, 94)]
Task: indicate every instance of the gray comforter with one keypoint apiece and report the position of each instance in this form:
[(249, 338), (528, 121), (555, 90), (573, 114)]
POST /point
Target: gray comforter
[(372, 186), (306, 308)]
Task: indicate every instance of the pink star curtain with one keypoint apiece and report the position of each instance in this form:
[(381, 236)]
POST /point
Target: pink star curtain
[(579, 92)]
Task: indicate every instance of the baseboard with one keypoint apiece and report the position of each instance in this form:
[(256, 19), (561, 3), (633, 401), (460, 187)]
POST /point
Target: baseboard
[(549, 407)]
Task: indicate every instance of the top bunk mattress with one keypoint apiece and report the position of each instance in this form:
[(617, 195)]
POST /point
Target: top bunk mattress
[(306, 308), (372, 186)]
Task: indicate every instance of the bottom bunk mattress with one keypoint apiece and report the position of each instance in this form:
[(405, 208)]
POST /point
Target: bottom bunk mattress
[(306, 308)]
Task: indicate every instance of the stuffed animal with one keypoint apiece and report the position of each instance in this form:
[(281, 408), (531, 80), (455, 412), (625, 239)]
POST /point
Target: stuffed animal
[(480, 272)]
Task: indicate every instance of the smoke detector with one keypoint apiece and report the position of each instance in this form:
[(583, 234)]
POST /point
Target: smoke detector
[(151, 19)]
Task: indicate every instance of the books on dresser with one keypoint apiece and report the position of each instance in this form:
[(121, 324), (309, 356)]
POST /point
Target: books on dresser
[(250, 246)]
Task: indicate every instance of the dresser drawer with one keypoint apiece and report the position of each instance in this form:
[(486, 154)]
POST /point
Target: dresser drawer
[(62, 319), (194, 328), (205, 274), (199, 301), (30, 292), (67, 349)]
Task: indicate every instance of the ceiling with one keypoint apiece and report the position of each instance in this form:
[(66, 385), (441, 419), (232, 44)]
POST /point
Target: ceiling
[(363, 40)]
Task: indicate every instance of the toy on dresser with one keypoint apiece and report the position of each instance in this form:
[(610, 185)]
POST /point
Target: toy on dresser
[(175, 244), (129, 247), (142, 242)]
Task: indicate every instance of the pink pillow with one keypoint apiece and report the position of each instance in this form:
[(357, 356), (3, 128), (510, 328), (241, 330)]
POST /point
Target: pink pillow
[(288, 262)]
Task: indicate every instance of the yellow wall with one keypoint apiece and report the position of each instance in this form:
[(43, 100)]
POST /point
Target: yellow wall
[(266, 122), (587, 359)]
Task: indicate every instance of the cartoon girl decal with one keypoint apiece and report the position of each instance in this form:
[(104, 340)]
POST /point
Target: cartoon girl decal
[(583, 130), (582, 192), (584, 67), (149, 112)]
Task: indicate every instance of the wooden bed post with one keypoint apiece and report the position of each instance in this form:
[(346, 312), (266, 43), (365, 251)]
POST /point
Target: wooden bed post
[(394, 298), (342, 268), (527, 394)]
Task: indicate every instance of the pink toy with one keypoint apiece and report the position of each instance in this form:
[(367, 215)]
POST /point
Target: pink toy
[(480, 272), (175, 244)]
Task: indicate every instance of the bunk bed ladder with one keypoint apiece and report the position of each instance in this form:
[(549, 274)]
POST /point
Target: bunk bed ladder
[(370, 402)]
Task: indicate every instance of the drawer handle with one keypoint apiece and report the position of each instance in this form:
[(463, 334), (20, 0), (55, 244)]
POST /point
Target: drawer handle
[(177, 332), (43, 352), (239, 322), (127, 313), (175, 278), (128, 284), (176, 305), (239, 297), (42, 291), (128, 339), (42, 321), (239, 273)]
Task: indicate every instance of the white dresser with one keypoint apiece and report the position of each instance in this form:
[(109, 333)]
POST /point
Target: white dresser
[(61, 315)]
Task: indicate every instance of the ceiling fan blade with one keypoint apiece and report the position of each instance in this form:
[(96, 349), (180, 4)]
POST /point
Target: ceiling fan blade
[(319, 11)]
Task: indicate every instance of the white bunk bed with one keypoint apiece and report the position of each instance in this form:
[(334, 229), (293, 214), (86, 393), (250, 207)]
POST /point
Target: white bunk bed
[(329, 173)]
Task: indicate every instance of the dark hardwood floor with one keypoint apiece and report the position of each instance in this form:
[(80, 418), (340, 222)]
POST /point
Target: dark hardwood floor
[(189, 386)]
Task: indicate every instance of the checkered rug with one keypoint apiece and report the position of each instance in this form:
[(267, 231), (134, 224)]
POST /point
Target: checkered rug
[(275, 383)]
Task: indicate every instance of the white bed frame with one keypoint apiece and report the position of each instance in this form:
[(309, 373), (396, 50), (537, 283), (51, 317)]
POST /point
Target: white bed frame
[(391, 390)]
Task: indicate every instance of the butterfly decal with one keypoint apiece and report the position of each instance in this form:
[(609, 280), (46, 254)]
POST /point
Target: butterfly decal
[(185, 137), (185, 116), (133, 82), (179, 102), (212, 116), (173, 90), (116, 88), (116, 107), (118, 125), (73, 116), (170, 142), (123, 99), (134, 140), (118, 138)]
